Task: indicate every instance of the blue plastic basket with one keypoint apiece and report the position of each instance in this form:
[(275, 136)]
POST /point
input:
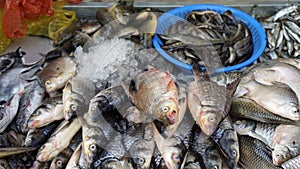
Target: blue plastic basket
[(172, 16)]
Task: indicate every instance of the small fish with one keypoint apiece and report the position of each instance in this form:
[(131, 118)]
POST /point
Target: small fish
[(254, 154), (59, 140), (286, 143), (281, 72), (261, 131), (247, 108), (8, 151), (61, 160), (155, 95), (38, 136), (76, 96), (205, 147), (227, 139), (56, 73), (206, 101), (277, 98), (293, 163), (284, 11), (49, 111)]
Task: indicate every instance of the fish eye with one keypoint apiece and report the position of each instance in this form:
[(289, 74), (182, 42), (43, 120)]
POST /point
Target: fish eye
[(29, 140), (238, 122), (36, 113), (42, 147), (211, 119), (141, 161), (2, 164), (166, 109), (176, 158), (58, 162), (234, 153), (215, 167), (93, 147), (73, 107), (47, 83)]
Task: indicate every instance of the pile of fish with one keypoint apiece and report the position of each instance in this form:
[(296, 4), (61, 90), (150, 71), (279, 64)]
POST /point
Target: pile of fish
[(266, 109), (51, 117), (283, 34), (230, 38)]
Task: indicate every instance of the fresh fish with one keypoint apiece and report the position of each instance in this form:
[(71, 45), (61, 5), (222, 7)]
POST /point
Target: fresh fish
[(284, 12), (76, 96), (65, 34), (277, 98), (8, 151), (56, 73), (227, 139), (247, 108), (293, 163), (254, 154), (59, 140), (97, 127), (261, 131), (286, 143), (206, 101), (61, 160), (155, 95), (279, 72), (74, 159), (49, 111), (4, 164), (32, 98), (38, 136), (11, 90), (140, 145), (205, 147)]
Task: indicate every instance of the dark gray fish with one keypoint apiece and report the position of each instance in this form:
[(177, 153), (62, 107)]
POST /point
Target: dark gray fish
[(227, 140), (254, 154), (246, 108), (61, 160), (32, 98)]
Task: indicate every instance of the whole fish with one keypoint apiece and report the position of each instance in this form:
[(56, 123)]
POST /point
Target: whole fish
[(286, 143), (206, 101), (249, 109), (4, 164), (38, 136), (261, 131), (279, 72), (155, 95), (32, 98), (227, 139), (61, 160), (254, 154), (205, 147), (49, 111), (98, 125), (140, 145), (76, 96), (56, 73), (59, 140), (293, 163), (277, 98)]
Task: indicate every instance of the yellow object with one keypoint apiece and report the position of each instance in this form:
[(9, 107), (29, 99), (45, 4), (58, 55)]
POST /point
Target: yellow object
[(49, 26), (4, 41)]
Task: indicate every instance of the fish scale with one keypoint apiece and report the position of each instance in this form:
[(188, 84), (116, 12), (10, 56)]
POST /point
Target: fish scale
[(293, 163)]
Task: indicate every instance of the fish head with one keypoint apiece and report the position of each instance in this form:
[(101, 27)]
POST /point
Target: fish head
[(292, 110), (214, 160), (280, 154), (142, 152), (208, 121), (243, 127), (46, 152), (58, 162), (4, 164), (72, 105), (51, 84), (112, 163), (167, 110), (231, 147), (40, 116), (174, 153)]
